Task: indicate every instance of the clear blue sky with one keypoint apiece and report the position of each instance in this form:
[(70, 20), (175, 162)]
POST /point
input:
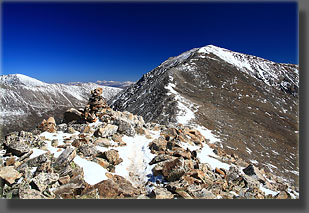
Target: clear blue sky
[(65, 42)]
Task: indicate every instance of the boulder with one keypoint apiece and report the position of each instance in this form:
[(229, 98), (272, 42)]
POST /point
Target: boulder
[(54, 143), (72, 115), (106, 131), (37, 161), (158, 144), (30, 194), (15, 145), (104, 142), (203, 194), (181, 152), (112, 157), (174, 169), (49, 125), (88, 150), (254, 172), (283, 195), (117, 187), (65, 158), (161, 193), (64, 180), (160, 158), (9, 174), (184, 194), (125, 127), (42, 180)]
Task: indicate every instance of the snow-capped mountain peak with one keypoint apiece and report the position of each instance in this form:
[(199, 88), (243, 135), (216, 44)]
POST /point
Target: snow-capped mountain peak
[(250, 103), (14, 79), (256, 67), (23, 97)]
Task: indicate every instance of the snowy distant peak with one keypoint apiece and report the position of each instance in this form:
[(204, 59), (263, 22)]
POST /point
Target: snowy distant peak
[(15, 79)]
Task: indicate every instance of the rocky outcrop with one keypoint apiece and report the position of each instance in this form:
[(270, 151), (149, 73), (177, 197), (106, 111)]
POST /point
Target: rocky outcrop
[(46, 164)]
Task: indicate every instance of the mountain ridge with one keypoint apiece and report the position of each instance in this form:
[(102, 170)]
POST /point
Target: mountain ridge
[(23, 97), (250, 103)]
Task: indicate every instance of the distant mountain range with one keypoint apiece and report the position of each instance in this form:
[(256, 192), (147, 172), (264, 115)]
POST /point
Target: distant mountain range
[(249, 103), (29, 100), (117, 84)]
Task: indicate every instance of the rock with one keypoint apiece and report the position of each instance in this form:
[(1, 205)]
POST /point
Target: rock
[(87, 129), (106, 131), (65, 158), (144, 197), (251, 182), (117, 187), (254, 172), (54, 142), (76, 143), (184, 194), (173, 169), (160, 158), (249, 170), (180, 152), (108, 189), (70, 130), (42, 180), (88, 150), (9, 174), (220, 171), (44, 167), (62, 127), (92, 194), (31, 194), (66, 188), (15, 145), (69, 189), (283, 195), (250, 194), (49, 125), (124, 127), (232, 174), (112, 157), (161, 193), (118, 139), (10, 161), (203, 194), (104, 142), (102, 162), (195, 136), (72, 115), (198, 174), (158, 144), (142, 131), (36, 161), (64, 180)]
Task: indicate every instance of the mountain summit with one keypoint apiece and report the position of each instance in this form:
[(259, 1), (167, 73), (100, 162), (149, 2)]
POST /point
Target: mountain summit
[(249, 103)]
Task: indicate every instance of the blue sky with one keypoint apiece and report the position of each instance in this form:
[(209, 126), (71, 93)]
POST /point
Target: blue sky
[(66, 42)]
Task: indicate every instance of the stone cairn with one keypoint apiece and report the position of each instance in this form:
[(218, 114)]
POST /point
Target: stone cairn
[(95, 106)]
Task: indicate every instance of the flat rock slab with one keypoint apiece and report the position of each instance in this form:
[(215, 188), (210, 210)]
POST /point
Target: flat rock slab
[(9, 174)]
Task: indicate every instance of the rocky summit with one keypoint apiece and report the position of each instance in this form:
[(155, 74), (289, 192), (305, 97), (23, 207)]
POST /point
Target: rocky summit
[(100, 153), (248, 103)]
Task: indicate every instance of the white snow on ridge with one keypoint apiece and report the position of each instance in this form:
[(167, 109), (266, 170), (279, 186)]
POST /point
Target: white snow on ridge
[(254, 66), (136, 156), (93, 172), (185, 114), (20, 78)]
